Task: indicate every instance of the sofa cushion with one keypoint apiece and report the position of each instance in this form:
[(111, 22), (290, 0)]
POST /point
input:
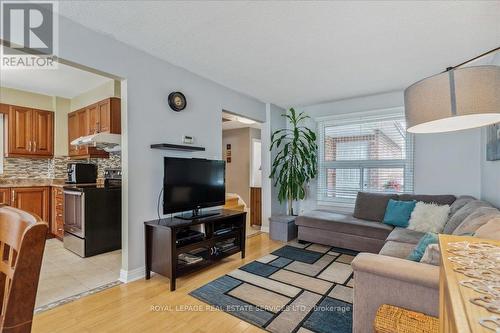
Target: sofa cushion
[(397, 249), (475, 220), (461, 214), (490, 230), (343, 223), (398, 212), (429, 217), (371, 206), (440, 199), (432, 255), (403, 235), (460, 202), (419, 250)]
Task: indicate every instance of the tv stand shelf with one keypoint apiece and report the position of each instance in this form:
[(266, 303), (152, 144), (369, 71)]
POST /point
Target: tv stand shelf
[(162, 252)]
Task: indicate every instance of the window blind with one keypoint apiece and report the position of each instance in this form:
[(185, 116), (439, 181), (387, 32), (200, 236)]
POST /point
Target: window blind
[(369, 152)]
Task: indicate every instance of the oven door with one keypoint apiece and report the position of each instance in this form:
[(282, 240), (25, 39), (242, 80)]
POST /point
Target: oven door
[(74, 213)]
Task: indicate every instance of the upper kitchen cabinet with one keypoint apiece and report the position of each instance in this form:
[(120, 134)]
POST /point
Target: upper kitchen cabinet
[(100, 117), (109, 120), (73, 133), (43, 132), (29, 132)]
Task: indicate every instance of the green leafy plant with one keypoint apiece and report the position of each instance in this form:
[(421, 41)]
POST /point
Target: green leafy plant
[(296, 161)]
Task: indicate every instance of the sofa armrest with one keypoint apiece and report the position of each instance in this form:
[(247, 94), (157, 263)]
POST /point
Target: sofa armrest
[(381, 280)]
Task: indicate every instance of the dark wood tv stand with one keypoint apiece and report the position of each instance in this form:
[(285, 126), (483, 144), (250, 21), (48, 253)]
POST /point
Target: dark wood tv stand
[(224, 235)]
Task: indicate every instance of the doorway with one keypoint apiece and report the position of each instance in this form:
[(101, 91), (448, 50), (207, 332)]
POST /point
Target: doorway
[(68, 94), (241, 149)]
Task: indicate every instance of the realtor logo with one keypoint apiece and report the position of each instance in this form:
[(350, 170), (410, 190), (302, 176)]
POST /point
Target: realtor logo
[(29, 34)]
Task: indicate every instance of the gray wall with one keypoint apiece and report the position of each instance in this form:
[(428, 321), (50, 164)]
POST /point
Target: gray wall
[(490, 175), (444, 163), (148, 119)]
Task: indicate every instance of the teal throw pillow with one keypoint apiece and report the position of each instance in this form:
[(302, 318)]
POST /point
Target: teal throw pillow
[(398, 212), (419, 250)]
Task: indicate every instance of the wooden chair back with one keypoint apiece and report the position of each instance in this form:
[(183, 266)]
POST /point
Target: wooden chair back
[(22, 241)]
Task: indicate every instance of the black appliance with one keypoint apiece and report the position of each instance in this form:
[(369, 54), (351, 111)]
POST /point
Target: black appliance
[(93, 216), (187, 236), (82, 173), (192, 184)]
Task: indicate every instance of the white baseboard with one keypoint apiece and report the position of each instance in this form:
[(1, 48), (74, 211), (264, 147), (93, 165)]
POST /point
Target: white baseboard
[(132, 275), (264, 229)]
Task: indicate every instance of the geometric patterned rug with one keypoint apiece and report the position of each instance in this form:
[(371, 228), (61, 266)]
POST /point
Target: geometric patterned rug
[(297, 288)]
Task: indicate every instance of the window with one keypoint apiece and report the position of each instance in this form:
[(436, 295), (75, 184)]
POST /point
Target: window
[(369, 152)]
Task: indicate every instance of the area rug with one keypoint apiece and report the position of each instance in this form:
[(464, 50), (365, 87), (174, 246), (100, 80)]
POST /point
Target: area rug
[(297, 288)]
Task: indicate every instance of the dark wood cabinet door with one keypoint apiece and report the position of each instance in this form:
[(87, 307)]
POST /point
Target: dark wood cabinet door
[(43, 133), (5, 196), (34, 200), (93, 119), (72, 133), (19, 131)]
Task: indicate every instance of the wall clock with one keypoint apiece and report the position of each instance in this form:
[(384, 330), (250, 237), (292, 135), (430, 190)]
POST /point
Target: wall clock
[(177, 101)]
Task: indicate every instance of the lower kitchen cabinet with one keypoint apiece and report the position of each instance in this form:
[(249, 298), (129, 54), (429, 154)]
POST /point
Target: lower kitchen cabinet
[(33, 200), (57, 212), (5, 196)]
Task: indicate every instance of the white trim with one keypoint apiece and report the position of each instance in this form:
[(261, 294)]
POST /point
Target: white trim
[(264, 229), (349, 116), (132, 275)]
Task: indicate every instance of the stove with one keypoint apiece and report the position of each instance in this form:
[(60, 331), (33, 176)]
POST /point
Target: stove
[(92, 216)]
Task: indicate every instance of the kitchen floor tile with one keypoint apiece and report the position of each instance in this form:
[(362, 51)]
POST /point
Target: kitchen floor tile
[(65, 274)]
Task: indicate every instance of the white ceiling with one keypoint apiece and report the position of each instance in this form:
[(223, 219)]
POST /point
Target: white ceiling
[(232, 121), (65, 81), (299, 53)]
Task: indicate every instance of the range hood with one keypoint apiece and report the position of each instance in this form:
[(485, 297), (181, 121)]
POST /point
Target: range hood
[(105, 141)]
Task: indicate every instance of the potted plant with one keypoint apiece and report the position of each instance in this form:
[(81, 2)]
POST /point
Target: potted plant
[(296, 161)]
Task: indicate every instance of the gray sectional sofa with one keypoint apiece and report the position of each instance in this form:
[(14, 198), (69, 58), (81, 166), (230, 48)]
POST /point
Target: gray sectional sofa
[(382, 274)]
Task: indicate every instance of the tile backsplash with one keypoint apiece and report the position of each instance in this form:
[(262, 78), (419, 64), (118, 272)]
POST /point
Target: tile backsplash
[(54, 168)]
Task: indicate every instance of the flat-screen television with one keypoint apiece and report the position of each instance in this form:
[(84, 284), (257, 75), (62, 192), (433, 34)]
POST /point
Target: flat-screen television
[(191, 184)]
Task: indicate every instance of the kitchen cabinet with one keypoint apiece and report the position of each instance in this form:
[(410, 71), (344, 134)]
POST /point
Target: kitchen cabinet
[(83, 128), (43, 132), (72, 133), (34, 200), (93, 118), (78, 125), (109, 120), (57, 212), (5, 196), (100, 117), (29, 132)]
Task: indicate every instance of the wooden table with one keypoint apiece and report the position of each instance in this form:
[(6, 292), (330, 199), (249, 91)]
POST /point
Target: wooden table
[(456, 313)]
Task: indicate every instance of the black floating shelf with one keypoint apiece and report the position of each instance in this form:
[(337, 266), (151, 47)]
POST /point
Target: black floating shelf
[(169, 146)]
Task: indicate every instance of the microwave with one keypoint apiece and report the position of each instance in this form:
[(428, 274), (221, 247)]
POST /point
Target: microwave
[(82, 173)]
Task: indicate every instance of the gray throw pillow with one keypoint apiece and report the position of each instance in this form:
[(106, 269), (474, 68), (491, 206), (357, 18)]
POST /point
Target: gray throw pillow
[(461, 214), (460, 202), (475, 220), (371, 206)]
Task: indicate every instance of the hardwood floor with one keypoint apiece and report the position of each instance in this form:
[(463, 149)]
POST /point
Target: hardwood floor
[(149, 306)]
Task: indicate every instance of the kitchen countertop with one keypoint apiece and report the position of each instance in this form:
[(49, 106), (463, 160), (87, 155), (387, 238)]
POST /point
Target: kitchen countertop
[(30, 182)]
